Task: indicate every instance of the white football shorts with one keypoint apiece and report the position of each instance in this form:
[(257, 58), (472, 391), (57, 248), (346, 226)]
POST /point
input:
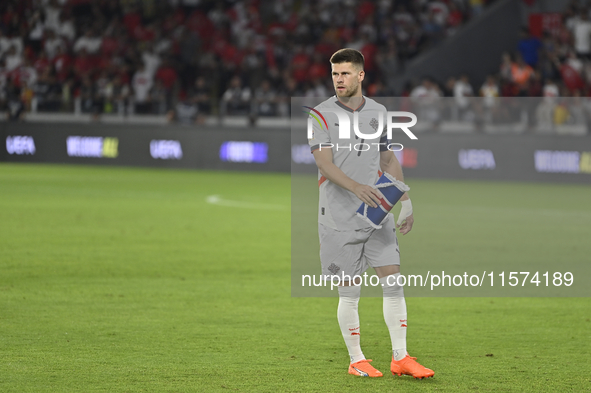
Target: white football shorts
[(352, 252)]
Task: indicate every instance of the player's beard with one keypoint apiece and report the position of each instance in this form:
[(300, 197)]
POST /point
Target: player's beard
[(349, 91)]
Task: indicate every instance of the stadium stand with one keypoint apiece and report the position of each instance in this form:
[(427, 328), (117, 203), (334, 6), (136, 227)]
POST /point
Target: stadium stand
[(187, 59)]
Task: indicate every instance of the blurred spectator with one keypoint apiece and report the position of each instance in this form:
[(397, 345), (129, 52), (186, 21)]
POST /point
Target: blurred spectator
[(455, 18), (521, 74), (433, 30), (52, 12), (14, 103), (4, 43), (319, 68), (388, 63), (88, 42), (35, 37), (159, 98), (448, 87), (316, 89), (13, 58), (63, 64), (289, 89), (506, 66), (300, 64), (266, 100), (570, 76), (535, 87), (7, 42), (186, 112), (25, 74), (201, 97), (90, 100), (550, 90), (48, 92), (581, 29), (427, 91), (151, 59), (574, 62), (236, 99), (51, 44), (168, 78), (490, 91), (66, 28), (377, 89), (462, 93), (84, 65), (544, 113), (141, 85), (425, 98), (529, 47), (116, 95)]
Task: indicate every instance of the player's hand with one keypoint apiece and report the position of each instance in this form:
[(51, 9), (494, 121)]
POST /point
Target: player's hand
[(405, 219), (368, 195)]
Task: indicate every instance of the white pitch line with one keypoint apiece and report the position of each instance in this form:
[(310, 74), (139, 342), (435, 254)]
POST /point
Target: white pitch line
[(217, 200)]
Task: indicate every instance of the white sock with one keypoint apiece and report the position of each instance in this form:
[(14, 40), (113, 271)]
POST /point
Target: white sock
[(349, 320), (395, 314)]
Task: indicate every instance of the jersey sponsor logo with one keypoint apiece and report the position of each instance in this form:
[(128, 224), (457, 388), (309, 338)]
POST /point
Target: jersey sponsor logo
[(92, 146), (20, 145)]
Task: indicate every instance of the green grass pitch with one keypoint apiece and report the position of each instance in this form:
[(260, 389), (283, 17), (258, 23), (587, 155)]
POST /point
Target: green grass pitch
[(127, 280)]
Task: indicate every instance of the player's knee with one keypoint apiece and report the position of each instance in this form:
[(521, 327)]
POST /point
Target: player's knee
[(391, 285), (350, 292)]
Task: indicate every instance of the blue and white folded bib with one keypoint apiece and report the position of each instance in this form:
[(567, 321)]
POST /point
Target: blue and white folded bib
[(392, 190)]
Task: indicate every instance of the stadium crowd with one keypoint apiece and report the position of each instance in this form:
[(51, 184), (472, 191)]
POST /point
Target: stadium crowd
[(188, 58), (555, 64)]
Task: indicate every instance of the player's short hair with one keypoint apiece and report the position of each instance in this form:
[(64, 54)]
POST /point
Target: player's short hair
[(348, 55)]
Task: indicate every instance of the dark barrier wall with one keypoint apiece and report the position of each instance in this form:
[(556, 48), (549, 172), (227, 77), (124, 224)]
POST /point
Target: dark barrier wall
[(484, 157), (475, 50), (155, 146)]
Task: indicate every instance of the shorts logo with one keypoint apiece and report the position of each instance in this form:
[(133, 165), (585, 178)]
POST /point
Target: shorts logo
[(333, 268), (322, 211)]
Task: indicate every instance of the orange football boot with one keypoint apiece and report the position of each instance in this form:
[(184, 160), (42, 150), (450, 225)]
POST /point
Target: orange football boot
[(409, 366), (362, 368)]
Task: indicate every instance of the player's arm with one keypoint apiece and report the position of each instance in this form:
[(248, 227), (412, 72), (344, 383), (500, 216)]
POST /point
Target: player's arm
[(334, 174), (390, 164)]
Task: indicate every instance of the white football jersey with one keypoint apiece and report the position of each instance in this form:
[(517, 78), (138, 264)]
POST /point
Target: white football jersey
[(358, 158)]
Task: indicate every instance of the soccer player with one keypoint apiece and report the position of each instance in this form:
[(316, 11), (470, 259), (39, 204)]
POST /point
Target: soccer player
[(348, 244)]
